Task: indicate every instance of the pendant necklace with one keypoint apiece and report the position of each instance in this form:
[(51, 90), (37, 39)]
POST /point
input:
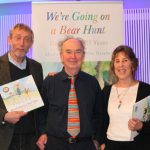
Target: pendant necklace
[(121, 96)]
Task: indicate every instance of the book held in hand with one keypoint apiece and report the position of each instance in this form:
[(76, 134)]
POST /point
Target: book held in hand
[(21, 95), (141, 109)]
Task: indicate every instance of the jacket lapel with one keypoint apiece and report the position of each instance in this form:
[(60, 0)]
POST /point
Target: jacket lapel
[(5, 76)]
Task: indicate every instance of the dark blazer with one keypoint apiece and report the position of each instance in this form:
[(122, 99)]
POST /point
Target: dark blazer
[(142, 140), (6, 131)]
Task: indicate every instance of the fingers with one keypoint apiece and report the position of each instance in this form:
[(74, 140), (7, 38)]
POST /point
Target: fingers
[(52, 73), (14, 116), (21, 113), (135, 124), (102, 147), (41, 146), (131, 128), (42, 141), (132, 124)]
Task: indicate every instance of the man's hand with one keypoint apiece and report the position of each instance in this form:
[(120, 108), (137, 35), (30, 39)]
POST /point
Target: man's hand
[(42, 141), (14, 116), (52, 73)]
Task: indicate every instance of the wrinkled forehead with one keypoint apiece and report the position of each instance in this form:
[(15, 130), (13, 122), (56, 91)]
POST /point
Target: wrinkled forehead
[(72, 44), (21, 33)]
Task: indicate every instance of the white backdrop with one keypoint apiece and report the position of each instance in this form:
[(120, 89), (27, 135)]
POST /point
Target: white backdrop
[(100, 24)]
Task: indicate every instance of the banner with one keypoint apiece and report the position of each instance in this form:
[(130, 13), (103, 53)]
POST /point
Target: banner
[(99, 24)]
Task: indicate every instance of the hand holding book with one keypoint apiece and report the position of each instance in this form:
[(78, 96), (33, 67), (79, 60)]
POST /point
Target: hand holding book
[(140, 114)]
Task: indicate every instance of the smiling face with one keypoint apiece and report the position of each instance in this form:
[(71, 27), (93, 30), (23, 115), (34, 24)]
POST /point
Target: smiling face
[(123, 67), (20, 41), (72, 56)]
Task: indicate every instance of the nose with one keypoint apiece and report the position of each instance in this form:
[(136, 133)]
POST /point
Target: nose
[(121, 63), (73, 54), (22, 41)]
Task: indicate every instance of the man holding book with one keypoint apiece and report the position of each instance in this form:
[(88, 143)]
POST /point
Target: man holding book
[(18, 129)]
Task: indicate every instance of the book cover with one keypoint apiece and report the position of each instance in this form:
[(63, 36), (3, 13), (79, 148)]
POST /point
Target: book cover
[(21, 95), (141, 109)]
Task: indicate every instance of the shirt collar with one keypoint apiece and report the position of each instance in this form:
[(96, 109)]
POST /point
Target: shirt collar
[(21, 66), (65, 76)]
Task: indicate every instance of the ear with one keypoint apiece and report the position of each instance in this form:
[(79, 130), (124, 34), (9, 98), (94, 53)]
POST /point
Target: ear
[(9, 39), (61, 56), (83, 55), (31, 44)]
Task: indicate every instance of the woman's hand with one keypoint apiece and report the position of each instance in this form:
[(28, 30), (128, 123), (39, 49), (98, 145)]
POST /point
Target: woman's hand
[(135, 124), (102, 147)]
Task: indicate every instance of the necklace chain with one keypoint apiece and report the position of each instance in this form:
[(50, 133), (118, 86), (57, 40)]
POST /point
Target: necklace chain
[(121, 96)]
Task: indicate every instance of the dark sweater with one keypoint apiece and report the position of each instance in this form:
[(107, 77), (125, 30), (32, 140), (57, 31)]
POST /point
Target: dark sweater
[(26, 123)]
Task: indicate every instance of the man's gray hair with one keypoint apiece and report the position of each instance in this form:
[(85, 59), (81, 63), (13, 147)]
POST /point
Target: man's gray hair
[(60, 44)]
